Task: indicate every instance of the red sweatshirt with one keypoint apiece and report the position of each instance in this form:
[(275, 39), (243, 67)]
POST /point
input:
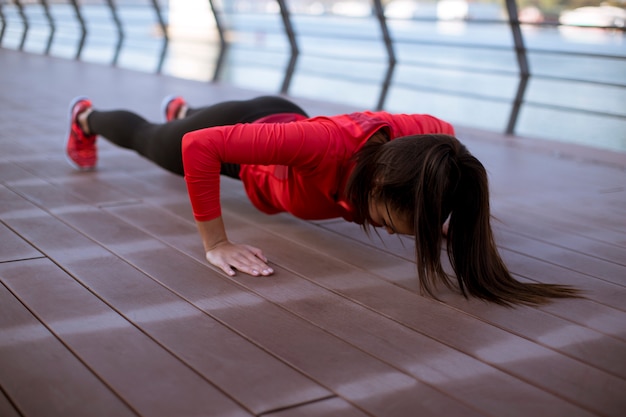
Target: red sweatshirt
[(299, 165)]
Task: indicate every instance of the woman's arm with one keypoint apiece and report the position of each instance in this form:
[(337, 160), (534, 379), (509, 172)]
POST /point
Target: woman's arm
[(222, 253), (203, 153), (415, 124), (292, 144)]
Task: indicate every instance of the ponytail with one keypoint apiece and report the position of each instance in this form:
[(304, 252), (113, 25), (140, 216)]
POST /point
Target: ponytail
[(425, 179), (479, 269)]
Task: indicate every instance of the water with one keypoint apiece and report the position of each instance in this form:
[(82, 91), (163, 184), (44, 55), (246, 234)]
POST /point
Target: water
[(439, 70)]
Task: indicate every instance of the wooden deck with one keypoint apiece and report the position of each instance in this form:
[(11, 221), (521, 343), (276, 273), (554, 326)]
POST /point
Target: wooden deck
[(108, 309)]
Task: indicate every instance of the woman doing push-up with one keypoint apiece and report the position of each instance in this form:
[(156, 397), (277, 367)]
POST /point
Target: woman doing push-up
[(406, 173)]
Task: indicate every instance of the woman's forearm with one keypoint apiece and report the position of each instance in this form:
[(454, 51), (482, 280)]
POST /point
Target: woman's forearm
[(212, 233)]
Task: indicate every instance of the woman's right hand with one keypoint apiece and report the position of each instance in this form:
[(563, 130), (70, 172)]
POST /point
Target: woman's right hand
[(229, 256)]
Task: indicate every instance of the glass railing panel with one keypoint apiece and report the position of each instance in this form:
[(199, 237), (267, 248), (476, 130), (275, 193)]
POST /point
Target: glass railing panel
[(14, 27), (67, 32), (101, 40), (258, 50), (144, 40)]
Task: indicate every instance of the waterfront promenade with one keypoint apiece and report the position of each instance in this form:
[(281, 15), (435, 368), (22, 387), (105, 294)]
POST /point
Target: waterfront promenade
[(107, 307)]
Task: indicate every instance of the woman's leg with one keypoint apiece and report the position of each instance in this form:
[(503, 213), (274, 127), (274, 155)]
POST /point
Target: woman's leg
[(161, 142), (242, 111)]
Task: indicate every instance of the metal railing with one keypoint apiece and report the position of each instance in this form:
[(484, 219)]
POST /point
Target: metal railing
[(154, 8), (381, 33)]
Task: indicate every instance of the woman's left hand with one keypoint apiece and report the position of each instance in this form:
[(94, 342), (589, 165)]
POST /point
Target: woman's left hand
[(225, 255), (244, 258)]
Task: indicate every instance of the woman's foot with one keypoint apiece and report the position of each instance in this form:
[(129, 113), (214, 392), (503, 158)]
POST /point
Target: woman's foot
[(173, 107), (81, 146)]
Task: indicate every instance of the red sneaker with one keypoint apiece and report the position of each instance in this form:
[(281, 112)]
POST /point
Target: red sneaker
[(81, 148), (171, 107)]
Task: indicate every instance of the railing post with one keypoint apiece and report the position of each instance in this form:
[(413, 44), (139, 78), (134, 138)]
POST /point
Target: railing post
[(51, 23), (120, 31), (522, 62), (223, 44), (157, 9), (83, 28), (391, 56), (3, 20), (20, 10), (291, 35)]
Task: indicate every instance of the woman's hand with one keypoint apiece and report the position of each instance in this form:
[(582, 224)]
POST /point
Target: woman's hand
[(225, 255), (245, 258)]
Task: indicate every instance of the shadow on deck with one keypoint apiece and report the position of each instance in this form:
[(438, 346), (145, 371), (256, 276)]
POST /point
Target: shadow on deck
[(107, 307)]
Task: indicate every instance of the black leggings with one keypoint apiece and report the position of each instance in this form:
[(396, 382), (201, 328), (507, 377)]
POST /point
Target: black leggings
[(161, 143)]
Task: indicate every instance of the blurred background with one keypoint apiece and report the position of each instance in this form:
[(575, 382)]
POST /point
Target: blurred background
[(551, 69)]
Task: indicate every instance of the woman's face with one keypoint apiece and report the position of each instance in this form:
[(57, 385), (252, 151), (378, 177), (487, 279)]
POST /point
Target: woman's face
[(382, 216)]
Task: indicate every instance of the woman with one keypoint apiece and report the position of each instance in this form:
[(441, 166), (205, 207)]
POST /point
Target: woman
[(406, 173)]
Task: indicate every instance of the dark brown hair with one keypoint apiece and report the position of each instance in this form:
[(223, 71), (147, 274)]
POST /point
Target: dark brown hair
[(424, 179)]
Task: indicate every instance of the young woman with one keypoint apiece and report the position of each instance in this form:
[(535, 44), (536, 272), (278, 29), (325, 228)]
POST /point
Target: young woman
[(406, 173)]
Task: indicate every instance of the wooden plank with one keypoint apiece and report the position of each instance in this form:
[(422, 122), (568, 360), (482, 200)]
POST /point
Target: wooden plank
[(150, 184), (590, 208), (6, 408), (592, 221), (38, 373), (249, 374), (552, 228), (572, 223), (581, 192), (9, 171), (73, 184), (13, 247), (575, 341), (557, 255), (514, 168), (600, 291), (335, 407)]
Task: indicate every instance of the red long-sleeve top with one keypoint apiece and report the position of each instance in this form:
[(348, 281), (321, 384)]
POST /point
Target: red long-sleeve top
[(297, 165)]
